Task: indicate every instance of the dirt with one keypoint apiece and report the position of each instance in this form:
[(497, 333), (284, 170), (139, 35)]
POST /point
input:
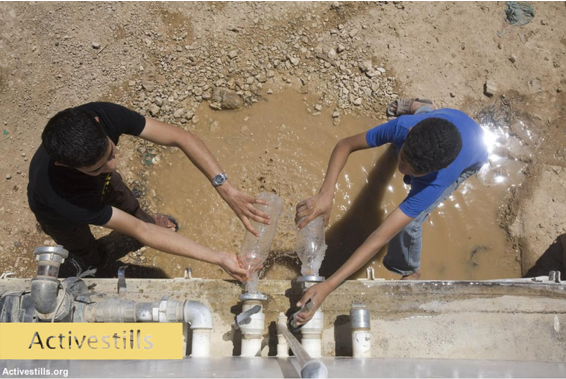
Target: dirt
[(347, 59)]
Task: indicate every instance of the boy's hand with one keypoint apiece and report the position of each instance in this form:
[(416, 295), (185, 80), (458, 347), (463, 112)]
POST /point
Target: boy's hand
[(243, 206), (231, 264), (317, 294), (311, 208)]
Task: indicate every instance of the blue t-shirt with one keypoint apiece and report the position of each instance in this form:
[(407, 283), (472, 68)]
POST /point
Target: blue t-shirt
[(425, 190)]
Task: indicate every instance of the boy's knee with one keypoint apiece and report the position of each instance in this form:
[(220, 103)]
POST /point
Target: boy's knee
[(400, 266)]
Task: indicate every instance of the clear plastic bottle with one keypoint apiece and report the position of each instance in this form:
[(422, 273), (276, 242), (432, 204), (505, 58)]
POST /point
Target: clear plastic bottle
[(255, 250), (311, 246)]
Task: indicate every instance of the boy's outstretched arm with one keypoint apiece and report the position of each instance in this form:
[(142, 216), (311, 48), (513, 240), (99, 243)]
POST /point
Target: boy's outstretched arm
[(321, 204), (392, 225), (168, 241), (168, 135)]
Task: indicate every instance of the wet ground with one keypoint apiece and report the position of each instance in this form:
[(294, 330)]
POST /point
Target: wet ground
[(282, 144)]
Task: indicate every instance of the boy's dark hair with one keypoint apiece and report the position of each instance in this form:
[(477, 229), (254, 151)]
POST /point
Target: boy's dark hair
[(432, 145), (74, 138)]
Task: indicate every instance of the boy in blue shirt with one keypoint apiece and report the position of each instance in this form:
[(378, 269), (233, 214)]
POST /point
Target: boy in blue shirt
[(438, 150)]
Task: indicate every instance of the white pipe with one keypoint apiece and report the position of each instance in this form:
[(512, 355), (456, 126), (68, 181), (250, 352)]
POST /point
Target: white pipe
[(361, 334), (201, 343), (252, 332), (198, 315), (200, 319), (282, 346), (312, 335), (361, 343)]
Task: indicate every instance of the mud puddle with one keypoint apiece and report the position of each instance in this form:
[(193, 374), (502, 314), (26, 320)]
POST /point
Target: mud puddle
[(282, 145)]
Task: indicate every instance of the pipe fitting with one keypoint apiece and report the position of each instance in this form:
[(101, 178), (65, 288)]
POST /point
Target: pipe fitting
[(252, 332), (189, 312), (44, 292), (45, 286), (312, 334), (312, 331), (197, 314), (361, 331)]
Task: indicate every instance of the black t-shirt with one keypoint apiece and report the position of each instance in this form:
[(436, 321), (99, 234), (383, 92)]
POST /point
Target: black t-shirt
[(62, 196)]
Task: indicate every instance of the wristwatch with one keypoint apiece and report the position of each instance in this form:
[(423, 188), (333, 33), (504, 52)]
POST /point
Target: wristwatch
[(219, 179)]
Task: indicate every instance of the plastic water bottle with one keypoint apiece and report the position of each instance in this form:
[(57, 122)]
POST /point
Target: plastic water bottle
[(311, 246), (255, 250)]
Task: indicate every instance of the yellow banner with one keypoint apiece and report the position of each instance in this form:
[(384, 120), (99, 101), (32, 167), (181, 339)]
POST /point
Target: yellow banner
[(91, 341)]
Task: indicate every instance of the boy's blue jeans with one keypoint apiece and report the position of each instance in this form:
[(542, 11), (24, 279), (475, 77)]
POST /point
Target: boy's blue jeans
[(404, 250)]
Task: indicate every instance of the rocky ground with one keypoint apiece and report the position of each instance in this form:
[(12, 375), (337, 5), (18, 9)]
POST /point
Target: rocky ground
[(164, 59)]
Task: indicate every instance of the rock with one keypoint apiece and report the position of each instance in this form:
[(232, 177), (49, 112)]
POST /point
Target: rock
[(490, 88), (452, 94), (365, 66), (535, 86), (8, 176), (335, 114), (148, 86), (358, 101), (381, 69), (270, 73), (195, 119), (233, 54), (226, 98), (331, 54), (512, 58), (96, 45), (340, 48), (318, 107), (154, 110), (295, 61), (371, 74), (206, 95), (353, 33), (198, 91), (269, 91), (179, 113)]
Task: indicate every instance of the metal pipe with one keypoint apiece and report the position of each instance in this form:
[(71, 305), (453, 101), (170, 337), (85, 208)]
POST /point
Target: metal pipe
[(361, 331), (282, 347), (45, 288), (310, 368), (196, 314)]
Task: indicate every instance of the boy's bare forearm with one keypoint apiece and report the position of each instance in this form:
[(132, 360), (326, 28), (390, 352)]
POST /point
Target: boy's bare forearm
[(392, 225), (173, 243), (337, 161)]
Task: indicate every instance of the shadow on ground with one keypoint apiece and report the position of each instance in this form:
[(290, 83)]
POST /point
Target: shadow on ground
[(553, 259), (363, 217)]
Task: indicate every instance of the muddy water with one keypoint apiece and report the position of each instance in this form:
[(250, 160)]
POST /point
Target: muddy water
[(282, 145)]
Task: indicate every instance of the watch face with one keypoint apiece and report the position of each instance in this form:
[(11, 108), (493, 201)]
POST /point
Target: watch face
[(219, 179)]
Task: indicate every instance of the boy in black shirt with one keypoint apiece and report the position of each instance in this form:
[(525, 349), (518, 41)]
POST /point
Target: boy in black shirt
[(73, 183)]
